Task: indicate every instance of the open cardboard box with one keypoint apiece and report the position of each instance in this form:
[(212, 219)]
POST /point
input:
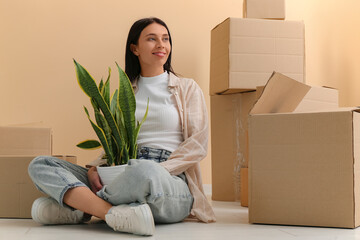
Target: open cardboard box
[(304, 166)]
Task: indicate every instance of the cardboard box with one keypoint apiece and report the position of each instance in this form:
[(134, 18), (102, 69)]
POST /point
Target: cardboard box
[(229, 142), (25, 140), (68, 158), (244, 190), (304, 167), (18, 190), (266, 9), (245, 52)]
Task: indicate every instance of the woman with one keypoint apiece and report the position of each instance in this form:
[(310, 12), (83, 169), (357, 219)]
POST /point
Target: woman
[(164, 184)]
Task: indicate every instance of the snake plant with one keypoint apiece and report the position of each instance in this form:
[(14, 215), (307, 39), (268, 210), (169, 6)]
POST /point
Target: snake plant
[(115, 123)]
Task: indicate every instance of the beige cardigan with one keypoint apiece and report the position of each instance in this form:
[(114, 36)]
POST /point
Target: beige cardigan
[(186, 158)]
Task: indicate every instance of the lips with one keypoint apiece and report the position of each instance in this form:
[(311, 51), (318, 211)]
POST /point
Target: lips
[(160, 54)]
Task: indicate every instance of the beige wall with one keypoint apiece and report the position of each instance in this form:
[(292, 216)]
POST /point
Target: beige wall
[(39, 38)]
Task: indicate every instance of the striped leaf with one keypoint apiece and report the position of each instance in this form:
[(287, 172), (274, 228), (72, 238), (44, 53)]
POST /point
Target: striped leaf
[(101, 135), (138, 126), (85, 80), (106, 89), (101, 85), (105, 127), (113, 102), (121, 125), (127, 103)]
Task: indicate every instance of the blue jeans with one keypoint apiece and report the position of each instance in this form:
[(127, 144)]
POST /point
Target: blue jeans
[(143, 181)]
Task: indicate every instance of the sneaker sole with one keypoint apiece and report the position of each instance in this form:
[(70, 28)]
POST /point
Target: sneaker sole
[(35, 207), (147, 217)]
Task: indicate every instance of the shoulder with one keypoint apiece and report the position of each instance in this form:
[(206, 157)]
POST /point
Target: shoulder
[(185, 85)]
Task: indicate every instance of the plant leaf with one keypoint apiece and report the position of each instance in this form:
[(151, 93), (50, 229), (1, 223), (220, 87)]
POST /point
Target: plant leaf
[(115, 150), (105, 127), (127, 103), (138, 126), (113, 103), (102, 137), (88, 84), (85, 80), (101, 86), (89, 144), (106, 89), (96, 109), (123, 133)]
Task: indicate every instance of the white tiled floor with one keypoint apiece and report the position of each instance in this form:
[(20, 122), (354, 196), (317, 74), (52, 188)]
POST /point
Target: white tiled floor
[(232, 223)]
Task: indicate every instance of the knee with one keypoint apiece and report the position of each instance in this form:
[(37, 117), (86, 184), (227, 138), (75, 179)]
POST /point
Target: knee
[(147, 169), (35, 165)]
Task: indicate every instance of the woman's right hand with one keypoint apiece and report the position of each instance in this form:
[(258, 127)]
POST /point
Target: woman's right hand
[(94, 180)]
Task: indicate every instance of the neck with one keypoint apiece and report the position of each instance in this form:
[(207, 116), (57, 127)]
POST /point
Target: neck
[(151, 72)]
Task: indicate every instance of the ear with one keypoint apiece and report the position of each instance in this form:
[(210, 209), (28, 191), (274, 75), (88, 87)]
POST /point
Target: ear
[(133, 48)]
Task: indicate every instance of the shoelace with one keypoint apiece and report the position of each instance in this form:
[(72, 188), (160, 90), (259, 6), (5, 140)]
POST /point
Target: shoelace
[(122, 220)]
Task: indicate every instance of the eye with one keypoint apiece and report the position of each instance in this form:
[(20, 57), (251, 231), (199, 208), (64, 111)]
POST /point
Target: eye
[(151, 39), (166, 39)]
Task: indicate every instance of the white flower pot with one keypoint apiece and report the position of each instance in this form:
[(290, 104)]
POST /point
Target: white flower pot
[(108, 174)]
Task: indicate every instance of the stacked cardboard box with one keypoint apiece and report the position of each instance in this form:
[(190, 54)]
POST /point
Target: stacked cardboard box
[(264, 9), (15, 140), (303, 150), (18, 146), (244, 53)]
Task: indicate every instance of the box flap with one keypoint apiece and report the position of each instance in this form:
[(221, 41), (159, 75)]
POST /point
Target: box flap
[(281, 94), (319, 98)]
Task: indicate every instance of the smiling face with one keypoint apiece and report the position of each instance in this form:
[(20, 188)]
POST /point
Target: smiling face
[(152, 49)]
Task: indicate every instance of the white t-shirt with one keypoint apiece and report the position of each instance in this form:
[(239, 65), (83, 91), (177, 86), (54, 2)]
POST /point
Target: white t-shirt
[(162, 127)]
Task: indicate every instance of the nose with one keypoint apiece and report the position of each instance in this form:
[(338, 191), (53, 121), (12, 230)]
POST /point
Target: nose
[(160, 44)]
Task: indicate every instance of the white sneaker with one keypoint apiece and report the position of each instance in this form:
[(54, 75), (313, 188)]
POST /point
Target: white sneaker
[(48, 211), (132, 219)]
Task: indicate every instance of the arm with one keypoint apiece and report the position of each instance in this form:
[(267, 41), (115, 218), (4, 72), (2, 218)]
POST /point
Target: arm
[(194, 147)]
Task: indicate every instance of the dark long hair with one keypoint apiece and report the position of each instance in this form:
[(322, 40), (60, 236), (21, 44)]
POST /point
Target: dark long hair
[(132, 64)]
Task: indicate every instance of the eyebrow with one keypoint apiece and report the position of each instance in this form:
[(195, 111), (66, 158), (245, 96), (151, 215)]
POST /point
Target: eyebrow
[(153, 34)]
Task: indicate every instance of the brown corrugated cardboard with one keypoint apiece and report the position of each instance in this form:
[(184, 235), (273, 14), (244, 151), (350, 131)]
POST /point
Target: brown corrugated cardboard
[(304, 167), (265, 9), (229, 142), (318, 98), (25, 140), (244, 192), (68, 158), (244, 53), (283, 94), (17, 190)]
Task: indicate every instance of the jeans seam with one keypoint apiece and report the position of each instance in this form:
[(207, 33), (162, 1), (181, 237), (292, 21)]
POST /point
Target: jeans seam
[(65, 189)]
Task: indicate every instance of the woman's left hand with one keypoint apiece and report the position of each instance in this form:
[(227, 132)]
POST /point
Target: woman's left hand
[(94, 180)]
